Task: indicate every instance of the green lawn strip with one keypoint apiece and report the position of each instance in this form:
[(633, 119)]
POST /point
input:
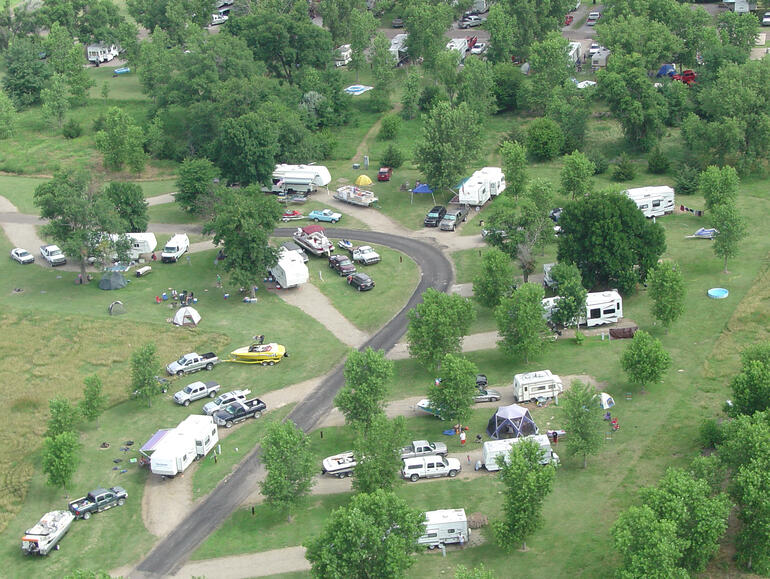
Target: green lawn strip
[(155, 187), (123, 87), (467, 264), (19, 191), (396, 277), (235, 446), (169, 213), (485, 319)]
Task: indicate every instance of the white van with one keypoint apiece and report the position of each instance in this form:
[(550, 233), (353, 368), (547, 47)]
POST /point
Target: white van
[(175, 248), (534, 385), (494, 448), (443, 527), (430, 467)]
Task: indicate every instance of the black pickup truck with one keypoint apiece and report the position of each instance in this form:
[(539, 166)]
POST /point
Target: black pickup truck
[(239, 410), (98, 500)]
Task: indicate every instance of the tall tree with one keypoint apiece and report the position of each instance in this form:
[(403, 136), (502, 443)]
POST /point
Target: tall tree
[(247, 148), (644, 360), (502, 34), (749, 489), (66, 59), (362, 399), (514, 156), (94, 401), (410, 94), (454, 393), (751, 386), (576, 175), (290, 466), (242, 225), (426, 22), (476, 87), (583, 420), (373, 536), (25, 73), (495, 280), (718, 185), (8, 116), (130, 205), (377, 454), (730, 224), (60, 458), (382, 70), (526, 484), (145, 366), (571, 305), (549, 67), (738, 29), (449, 141), (338, 17), (196, 184), (155, 63), (63, 416), (667, 292), (54, 99), (121, 142), (437, 326), (363, 25), (520, 322)]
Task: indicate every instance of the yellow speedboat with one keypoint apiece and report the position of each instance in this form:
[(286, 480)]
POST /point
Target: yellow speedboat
[(266, 354)]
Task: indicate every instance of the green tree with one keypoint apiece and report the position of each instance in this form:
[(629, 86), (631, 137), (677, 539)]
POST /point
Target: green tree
[(631, 245), (338, 17), (426, 22), (454, 393), (495, 281), (576, 175), (378, 459), (520, 322), (94, 401), (195, 184), (66, 59), (648, 545), (242, 225), (476, 87), (410, 94), (718, 185), (437, 326), (644, 360), (535, 228), (8, 116), (383, 72), (667, 292), (514, 156), (130, 205), (730, 224), (502, 33), (290, 466), (145, 366), (544, 139), (63, 417), (738, 29), (25, 74), (372, 536), (54, 99), (155, 63), (526, 484), (449, 141), (571, 305), (247, 148), (751, 386), (749, 489), (549, 68), (363, 26), (121, 142), (652, 42), (569, 108), (60, 458), (746, 438), (362, 399), (583, 420)]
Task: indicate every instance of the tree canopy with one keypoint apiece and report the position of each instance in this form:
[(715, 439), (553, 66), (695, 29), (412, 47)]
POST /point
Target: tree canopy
[(644, 359), (667, 292), (583, 416), (362, 399), (454, 393), (520, 322)]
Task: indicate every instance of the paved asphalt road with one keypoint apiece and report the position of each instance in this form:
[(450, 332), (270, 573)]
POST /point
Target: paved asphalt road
[(170, 554)]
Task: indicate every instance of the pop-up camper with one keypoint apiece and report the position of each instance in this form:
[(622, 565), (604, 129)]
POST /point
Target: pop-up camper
[(443, 527), (290, 270), (652, 201), (601, 308)]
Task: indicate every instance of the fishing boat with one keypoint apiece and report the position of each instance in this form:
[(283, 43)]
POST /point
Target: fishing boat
[(44, 536), (265, 354), (313, 239)]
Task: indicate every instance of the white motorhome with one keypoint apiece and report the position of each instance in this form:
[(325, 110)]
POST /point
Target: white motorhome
[(460, 45), (398, 48), (600, 58), (299, 178), (575, 52), (290, 270), (483, 184), (534, 385), (195, 436), (601, 308), (343, 55), (652, 201), (98, 53), (175, 248), (443, 527), (494, 448)]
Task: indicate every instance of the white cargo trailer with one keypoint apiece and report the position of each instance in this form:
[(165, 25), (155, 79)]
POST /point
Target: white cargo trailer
[(290, 269)]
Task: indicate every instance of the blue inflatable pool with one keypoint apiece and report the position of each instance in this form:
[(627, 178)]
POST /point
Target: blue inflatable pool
[(718, 293)]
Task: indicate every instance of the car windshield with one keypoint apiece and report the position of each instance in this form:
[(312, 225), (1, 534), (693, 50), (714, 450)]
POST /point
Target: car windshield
[(23, 253), (187, 389), (432, 214), (181, 361), (450, 217), (169, 249), (345, 262), (230, 409), (56, 252)]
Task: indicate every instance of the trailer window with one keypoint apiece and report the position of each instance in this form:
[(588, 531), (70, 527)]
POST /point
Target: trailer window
[(451, 531), (595, 313), (609, 311), (656, 203)]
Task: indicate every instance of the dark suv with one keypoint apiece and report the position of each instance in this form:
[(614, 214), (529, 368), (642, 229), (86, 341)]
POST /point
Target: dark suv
[(434, 216), (342, 264), (361, 282)]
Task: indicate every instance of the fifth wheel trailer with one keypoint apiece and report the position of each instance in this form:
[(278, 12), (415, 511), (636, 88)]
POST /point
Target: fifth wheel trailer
[(195, 436), (494, 448)]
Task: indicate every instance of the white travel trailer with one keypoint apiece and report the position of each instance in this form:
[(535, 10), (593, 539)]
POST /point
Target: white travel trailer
[(652, 201), (299, 178), (534, 385), (398, 48), (494, 448), (575, 52), (495, 180), (460, 45), (290, 270), (601, 308), (195, 436), (343, 55), (98, 53), (141, 243), (443, 527), (483, 184)]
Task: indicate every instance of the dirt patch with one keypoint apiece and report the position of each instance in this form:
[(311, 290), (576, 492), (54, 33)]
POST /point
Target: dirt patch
[(167, 501), (273, 562), (586, 379)]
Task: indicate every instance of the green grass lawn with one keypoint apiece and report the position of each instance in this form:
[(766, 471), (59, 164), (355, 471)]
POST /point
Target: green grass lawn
[(169, 213), (156, 187), (124, 87), (19, 191)]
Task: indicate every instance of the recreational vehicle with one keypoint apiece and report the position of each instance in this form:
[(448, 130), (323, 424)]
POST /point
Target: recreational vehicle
[(398, 48), (299, 178), (601, 308), (98, 53), (575, 51), (495, 180), (444, 527), (290, 270), (494, 448), (483, 184), (534, 385), (141, 243), (652, 201), (460, 45), (343, 55), (176, 448)]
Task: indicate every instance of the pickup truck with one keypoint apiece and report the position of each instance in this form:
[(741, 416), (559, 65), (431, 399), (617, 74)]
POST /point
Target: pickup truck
[(423, 448), (239, 410), (223, 400), (196, 391), (365, 255), (53, 255), (192, 362), (98, 500)]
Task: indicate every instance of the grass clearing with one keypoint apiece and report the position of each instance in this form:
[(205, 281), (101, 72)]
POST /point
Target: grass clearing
[(170, 213)]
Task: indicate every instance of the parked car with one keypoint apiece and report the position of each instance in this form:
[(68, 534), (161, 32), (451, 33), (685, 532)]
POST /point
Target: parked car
[(361, 282), (430, 467), (766, 19), (342, 264), (325, 215), (291, 246), (481, 380), (593, 18), (384, 174), (452, 218), (470, 22), (22, 255), (53, 255), (434, 216), (485, 395), (594, 48), (423, 448), (397, 23), (192, 362), (479, 48), (97, 501), (238, 411), (223, 400)]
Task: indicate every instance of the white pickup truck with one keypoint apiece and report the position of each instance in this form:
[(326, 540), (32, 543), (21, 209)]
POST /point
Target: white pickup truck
[(223, 400), (196, 391), (423, 448), (192, 362), (53, 255), (365, 255)]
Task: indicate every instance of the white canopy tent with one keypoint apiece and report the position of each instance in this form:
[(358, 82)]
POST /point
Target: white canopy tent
[(186, 316)]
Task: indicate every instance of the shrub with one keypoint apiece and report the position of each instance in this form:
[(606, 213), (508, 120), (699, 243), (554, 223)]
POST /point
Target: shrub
[(601, 163), (515, 135), (710, 433), (72, 129), (657, 162), (98, 123), (431, 94), (389, 128), (392, 157), (508, 86), (544, 139), (624, 169), (687, 180)]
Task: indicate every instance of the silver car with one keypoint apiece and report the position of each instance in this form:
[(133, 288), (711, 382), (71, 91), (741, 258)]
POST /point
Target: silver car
[(452, 219), (487, 396)]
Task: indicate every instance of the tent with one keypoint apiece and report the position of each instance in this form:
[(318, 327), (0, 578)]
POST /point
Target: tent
[(112, 280), (363, 180), (116, 308), (606, 401), (422, 188), (511, 422), (666, 70), (187, 316)]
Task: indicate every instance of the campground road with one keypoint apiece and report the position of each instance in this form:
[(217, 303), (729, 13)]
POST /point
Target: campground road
[(170, 553)]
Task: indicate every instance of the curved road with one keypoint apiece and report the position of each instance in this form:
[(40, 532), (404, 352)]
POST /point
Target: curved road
[(168, 556)]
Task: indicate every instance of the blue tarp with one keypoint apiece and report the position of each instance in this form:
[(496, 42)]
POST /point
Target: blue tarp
[(666, 70), (422, 188)]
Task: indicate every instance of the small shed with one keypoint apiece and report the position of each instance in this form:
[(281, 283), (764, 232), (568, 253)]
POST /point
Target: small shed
[(511, 422), (186, 316)]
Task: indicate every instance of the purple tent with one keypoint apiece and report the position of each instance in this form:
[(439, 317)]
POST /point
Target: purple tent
[(511, 422)]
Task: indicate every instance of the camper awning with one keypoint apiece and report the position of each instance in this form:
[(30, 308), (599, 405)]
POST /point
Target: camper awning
[(153, 443)]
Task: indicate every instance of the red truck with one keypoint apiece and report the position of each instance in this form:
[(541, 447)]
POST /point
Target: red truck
[(686, 76)]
